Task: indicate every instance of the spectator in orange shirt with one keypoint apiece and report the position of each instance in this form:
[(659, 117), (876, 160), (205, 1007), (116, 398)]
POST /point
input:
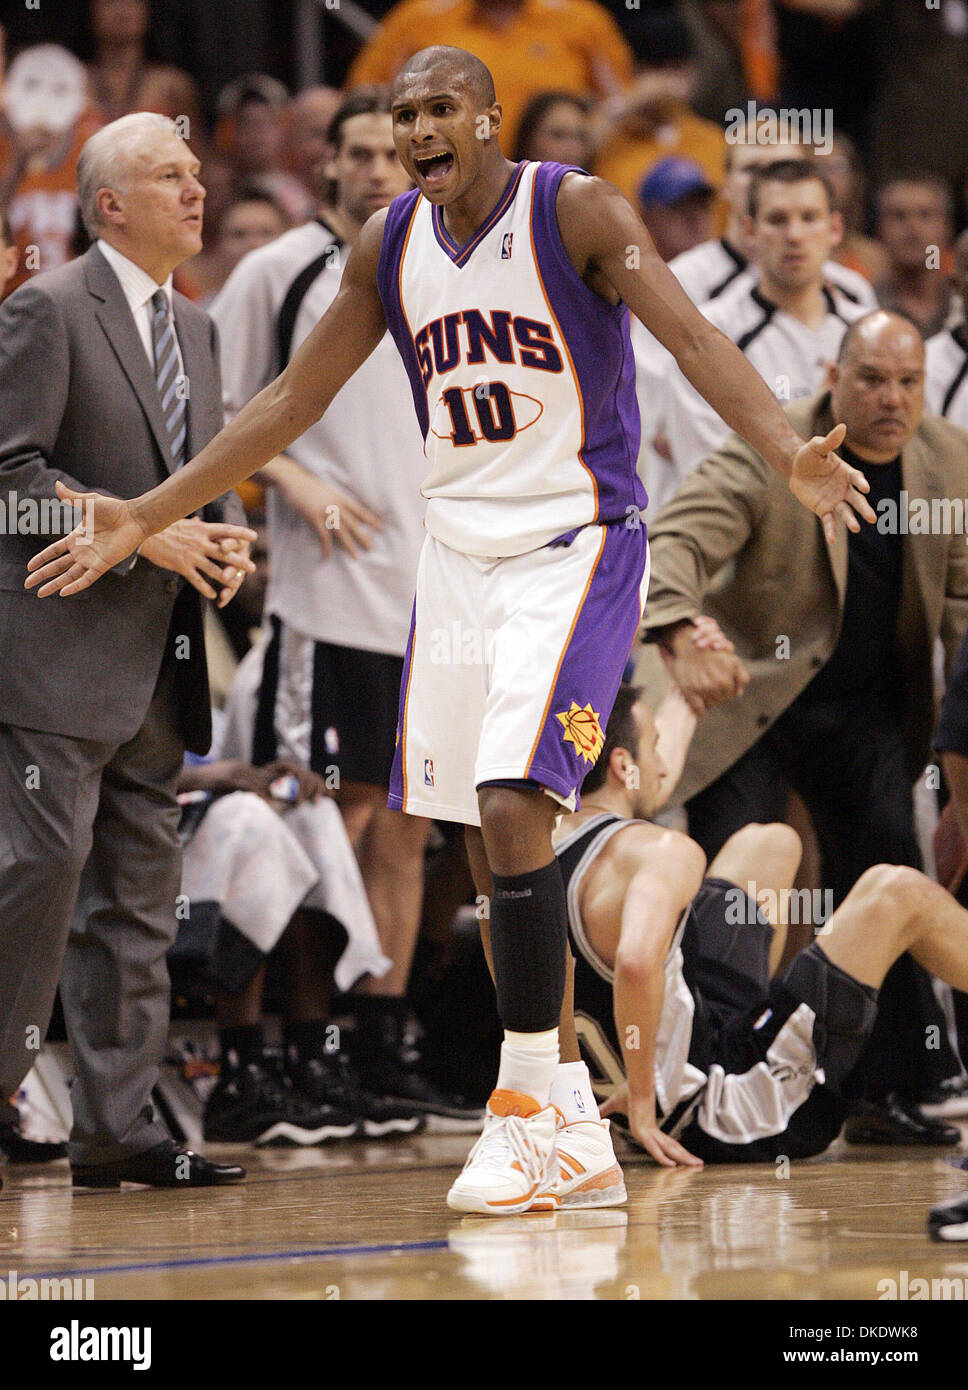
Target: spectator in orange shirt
[(45, 122), (653, 120), (529, 46), (9, 254), (121, 77)]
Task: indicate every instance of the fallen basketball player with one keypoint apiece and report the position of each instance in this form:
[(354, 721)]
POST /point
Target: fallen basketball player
[(709, 1057)]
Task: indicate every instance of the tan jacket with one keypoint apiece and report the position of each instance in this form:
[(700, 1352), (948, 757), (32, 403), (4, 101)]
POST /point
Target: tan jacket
[(735, 543)]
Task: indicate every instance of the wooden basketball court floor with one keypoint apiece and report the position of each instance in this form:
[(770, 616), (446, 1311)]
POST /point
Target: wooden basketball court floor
[(368, 1221)]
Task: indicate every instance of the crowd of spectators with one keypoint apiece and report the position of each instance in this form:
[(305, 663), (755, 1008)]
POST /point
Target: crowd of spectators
[(683, 104)]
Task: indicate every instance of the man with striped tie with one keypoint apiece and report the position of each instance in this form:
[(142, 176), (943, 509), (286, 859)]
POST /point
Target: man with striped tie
[(109, 378)]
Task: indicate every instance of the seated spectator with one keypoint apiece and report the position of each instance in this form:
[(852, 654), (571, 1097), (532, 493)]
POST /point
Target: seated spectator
[(267, 866), (253, 218), (946, 353), (307, 134), (9, 254), (45, 122), (675, 199), (830, 689), (251, 133), (914, 224), (527, 44), (653, 118), (122, 76), (845, 173), (554, 126)]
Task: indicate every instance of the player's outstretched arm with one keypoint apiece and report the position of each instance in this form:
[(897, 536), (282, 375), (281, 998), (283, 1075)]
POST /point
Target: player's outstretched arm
[(667, 875), (609, 245), (339, 344)]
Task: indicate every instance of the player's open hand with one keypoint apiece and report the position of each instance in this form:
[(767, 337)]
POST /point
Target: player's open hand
[(645, 1129), (823, 482), (106, 535)]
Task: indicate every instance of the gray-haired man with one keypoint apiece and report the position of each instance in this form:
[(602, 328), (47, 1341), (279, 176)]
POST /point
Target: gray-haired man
[(107, 379)]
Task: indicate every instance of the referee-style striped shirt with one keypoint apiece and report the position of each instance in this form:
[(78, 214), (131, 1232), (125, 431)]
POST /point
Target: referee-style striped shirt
[(789, 355), (946, 374)]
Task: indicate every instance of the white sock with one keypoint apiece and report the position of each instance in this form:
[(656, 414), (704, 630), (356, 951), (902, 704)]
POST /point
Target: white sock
[(528, 1063), (572, 1092)]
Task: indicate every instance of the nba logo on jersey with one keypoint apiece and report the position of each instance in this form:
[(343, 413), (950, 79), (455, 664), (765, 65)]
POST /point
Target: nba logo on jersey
[(506, 241), (579, 1102), (428, 772)]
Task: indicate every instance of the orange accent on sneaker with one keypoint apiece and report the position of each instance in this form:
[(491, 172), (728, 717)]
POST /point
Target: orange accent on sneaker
[(506, 1103), (610, 1179), (578, 1167)]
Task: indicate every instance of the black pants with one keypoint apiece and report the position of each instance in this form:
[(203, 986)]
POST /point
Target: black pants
[(846, 760)]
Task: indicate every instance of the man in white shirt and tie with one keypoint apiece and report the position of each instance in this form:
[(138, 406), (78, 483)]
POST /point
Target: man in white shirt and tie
[(109, 380)]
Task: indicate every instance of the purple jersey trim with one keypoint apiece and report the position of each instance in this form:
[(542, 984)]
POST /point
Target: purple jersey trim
[(597, 337), (396, 231)]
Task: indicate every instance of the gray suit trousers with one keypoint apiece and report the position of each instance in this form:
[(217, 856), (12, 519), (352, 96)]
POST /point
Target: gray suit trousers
[(90, 867)]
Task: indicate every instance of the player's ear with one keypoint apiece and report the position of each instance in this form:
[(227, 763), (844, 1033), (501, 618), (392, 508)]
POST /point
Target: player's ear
[(837, 227)]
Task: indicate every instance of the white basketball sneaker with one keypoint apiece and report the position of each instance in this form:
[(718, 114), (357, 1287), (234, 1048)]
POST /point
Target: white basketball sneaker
[(512, 1166), (588, 1171)]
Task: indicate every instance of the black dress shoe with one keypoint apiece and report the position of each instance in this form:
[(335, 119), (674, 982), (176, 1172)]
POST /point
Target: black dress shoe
[(949, 1220), (895, 1120), (166, 1165)]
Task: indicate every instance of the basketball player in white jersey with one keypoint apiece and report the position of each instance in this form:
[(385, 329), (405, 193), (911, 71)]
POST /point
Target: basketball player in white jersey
[(506, 288), (675, 977), (339, 597)]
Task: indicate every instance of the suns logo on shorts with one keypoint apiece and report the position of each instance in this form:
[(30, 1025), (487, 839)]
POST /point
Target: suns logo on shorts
[(582, 730)]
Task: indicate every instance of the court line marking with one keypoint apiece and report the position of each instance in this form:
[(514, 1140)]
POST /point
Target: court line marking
[(253, 1257)]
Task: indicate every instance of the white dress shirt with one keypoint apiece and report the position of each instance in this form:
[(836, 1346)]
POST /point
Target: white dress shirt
[(138, 287)]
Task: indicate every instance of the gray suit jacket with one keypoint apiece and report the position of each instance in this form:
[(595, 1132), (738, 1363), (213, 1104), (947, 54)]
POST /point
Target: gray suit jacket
[(78, 402)]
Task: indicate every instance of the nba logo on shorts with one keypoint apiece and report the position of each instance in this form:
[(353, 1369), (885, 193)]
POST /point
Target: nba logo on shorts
[(506, 240), (428, 772)]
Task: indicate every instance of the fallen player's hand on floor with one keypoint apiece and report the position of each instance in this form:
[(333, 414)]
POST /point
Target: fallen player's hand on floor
[(644, 1128)]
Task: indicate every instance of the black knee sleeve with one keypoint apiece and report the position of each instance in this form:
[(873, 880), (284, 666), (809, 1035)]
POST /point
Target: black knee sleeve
[(529, 941)]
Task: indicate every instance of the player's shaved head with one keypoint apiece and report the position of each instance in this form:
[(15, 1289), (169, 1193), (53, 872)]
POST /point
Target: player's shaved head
[(877, 330), (456, 67)]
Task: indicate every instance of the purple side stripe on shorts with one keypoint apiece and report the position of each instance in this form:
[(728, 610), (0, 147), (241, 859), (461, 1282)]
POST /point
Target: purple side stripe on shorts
[(592, 663)]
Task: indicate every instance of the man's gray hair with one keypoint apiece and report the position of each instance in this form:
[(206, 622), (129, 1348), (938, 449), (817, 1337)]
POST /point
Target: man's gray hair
[(104, 159)]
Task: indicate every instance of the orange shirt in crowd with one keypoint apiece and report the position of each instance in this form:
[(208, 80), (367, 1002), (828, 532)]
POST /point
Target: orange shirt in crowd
[(43, 209), (625, 159), (564, 45)]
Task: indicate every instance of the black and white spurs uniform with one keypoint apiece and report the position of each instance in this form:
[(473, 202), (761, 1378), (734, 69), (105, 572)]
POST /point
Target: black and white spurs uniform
[(745, 1069)]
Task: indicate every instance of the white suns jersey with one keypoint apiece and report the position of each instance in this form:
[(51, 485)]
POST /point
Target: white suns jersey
[(522, 377)]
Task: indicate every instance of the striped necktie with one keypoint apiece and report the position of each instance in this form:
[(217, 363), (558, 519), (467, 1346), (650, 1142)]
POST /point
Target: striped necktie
[(167, 376)]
